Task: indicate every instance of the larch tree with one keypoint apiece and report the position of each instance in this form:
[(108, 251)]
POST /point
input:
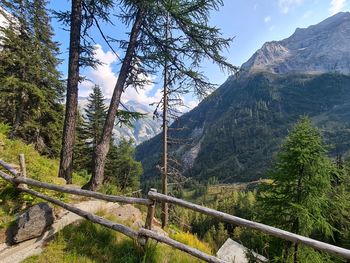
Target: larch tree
[(70, 120), (147, 49), (84, 14), (297, 198)]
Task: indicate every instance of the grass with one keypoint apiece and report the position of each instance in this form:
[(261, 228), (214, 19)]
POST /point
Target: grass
[(38, 167), (91, 243)]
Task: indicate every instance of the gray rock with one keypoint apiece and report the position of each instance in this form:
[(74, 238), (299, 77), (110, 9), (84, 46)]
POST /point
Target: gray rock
[(233, 252), (31, 224)]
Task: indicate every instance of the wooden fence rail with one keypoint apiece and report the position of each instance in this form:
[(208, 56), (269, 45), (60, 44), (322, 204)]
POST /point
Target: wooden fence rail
[(321, 246), (110, 198), (141, 236)]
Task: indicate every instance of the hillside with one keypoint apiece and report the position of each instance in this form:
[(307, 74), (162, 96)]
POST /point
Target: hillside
[(234, 133)]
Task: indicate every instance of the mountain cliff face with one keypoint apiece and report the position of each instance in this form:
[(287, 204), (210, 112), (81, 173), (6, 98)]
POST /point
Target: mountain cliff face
[(317, 49), (234, 134)]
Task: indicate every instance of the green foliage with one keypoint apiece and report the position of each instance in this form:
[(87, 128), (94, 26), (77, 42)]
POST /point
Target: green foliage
[(216, 237), (122, 170), (30, 84), (299, 193)]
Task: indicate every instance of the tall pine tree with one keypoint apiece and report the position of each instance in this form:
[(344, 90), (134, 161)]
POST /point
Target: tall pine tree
[(30, 85), (89, 129)]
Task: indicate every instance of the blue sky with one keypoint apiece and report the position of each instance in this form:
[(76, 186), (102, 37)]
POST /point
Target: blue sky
[(251, 22)]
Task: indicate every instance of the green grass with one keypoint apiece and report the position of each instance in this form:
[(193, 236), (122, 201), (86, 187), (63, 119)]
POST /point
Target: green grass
[(38, 167), (88, 242)]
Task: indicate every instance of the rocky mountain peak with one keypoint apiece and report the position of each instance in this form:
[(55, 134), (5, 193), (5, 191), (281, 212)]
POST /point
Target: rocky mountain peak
[(317, 49)]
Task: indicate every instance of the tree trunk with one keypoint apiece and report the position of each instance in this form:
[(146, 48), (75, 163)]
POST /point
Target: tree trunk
[(102, 147), (165, 210), (70, 122)]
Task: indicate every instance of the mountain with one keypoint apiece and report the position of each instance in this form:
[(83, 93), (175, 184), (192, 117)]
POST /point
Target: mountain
[(234, 134), (141, 130), (319, 48)]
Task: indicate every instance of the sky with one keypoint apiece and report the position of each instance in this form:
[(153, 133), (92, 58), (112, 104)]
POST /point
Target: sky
[(250, 22)]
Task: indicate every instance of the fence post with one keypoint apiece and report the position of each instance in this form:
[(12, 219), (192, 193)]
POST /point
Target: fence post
[(148, 224), (23, 172), (150, 212)]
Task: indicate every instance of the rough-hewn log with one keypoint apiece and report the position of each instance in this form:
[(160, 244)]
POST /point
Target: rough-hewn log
[(91, 217), (192, 251), (338, 251), (64, 189), (150, 212), (9, 168), (23, 173)]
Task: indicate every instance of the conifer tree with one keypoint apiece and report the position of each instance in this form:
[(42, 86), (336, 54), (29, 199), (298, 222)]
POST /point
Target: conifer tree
[(89, 129), (122, 170), (297, 198), (95, 116), (30, 85)]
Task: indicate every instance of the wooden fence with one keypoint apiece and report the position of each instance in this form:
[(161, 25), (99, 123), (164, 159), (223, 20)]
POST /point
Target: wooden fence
[(20, 180)]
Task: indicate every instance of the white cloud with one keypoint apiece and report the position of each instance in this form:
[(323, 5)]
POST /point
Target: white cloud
[(271, 28), (336, 6), (287, 5), (104, 76), (144, 95), (267, 19)]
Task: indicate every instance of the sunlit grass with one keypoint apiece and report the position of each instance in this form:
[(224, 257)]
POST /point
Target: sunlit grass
[(88, 242)]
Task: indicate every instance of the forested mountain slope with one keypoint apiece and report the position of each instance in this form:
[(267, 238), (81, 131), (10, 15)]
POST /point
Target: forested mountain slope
[(233, 134)]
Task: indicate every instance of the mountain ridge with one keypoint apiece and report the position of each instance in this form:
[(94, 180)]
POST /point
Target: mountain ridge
[(316, 49)]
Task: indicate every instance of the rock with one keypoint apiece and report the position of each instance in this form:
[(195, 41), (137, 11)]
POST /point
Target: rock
[(127, 213), (31, 224), (233, 252)]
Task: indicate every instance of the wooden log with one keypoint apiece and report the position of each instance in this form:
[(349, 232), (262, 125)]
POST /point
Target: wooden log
[(192, 251), (150, 212), (338, 251), (9, 168), (91, 217), (23, 172), (81, 192)]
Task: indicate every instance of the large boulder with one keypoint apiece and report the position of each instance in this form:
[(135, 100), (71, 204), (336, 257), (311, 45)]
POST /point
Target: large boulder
[(31, 224)]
